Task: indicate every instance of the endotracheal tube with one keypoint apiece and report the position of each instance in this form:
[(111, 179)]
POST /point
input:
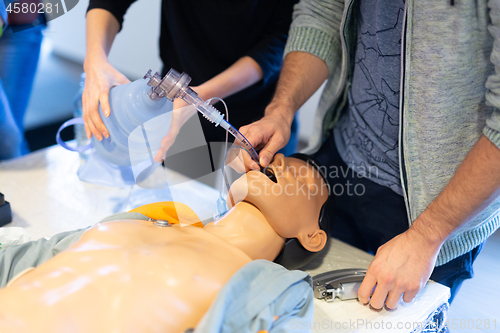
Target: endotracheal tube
[(175, 85), (221, 202)]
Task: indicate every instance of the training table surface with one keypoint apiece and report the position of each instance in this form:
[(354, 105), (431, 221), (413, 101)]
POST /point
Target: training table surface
[(47, 197)]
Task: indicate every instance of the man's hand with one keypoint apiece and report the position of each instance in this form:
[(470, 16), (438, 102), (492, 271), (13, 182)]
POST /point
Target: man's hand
[(100, 78), (301, 75), (401, 267), (271, 133)]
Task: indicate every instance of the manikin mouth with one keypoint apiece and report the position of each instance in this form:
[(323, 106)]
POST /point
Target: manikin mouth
[(270, 174)]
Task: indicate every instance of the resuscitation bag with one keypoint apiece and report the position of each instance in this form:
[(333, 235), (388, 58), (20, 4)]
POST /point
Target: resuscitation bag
[(135, 132)]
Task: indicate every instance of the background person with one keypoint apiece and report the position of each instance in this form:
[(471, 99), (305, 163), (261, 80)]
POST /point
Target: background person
[(20, 45), (230, 49)]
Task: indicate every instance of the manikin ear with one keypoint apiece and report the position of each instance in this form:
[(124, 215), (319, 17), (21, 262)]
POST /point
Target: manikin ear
[(313, 242)]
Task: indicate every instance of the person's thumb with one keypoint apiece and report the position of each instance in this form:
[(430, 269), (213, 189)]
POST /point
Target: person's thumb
[(271, 148)]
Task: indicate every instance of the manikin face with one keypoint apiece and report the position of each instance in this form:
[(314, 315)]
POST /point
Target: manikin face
[(290, 196)]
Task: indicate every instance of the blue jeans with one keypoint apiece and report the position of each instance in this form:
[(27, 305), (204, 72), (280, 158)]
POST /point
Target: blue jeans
[(19, 53), (367, 215)]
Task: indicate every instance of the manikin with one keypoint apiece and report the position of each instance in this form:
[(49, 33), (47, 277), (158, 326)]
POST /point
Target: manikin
[(131, 275)]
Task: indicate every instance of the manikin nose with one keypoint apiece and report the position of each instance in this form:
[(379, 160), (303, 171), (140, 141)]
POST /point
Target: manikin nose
[(279, 160)]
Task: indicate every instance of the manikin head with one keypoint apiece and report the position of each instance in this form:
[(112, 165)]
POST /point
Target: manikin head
[(290, 193)]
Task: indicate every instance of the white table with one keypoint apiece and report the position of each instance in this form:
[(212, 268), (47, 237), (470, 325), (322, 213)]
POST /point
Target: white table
[(352, 316), (47, 197)]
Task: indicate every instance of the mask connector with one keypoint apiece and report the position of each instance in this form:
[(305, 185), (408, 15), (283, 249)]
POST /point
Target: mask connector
[(221, 208)]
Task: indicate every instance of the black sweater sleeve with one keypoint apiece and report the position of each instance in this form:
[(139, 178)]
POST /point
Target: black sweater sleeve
[(115, 7), (268, 53)]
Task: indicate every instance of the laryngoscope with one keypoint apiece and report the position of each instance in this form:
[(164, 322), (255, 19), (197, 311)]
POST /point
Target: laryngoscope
[(175, 85)]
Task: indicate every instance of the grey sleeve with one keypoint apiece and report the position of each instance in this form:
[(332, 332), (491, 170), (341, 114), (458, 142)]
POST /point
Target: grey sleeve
[(492, 128), (17, 258), (315, 29)]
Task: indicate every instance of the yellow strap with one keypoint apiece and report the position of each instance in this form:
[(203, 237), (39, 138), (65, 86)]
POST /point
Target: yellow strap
[(173, 212)]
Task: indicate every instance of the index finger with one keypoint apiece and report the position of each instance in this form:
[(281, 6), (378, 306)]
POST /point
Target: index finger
[(240, 160), (255, 140), (366, 288), (90, 104)]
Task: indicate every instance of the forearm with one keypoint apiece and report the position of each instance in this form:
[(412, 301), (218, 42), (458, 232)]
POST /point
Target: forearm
[(242, 74), (302, 74), (475, 185), (403, 265), (102, 28)]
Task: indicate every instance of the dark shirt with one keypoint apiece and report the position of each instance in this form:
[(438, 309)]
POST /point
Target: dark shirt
[(205, 37), (367, 135)]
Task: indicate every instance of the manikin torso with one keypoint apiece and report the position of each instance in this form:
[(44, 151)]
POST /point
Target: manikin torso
[(132, 276)]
